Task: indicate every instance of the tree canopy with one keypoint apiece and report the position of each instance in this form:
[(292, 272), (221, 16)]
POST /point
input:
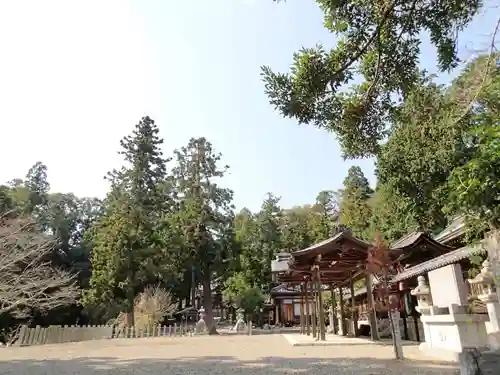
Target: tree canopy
[(355, 89), (168, 224)]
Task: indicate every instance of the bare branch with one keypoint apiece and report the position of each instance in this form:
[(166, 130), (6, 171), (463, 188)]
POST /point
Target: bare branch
[(485, 74), (27, 278)]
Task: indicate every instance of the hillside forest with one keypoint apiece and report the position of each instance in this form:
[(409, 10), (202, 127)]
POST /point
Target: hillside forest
[(167, 223)]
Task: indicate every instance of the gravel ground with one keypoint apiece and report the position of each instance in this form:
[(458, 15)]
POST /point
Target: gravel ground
[(223, 355)]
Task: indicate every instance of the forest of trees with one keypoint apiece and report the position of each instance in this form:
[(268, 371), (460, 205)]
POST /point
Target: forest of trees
[(169, 222)]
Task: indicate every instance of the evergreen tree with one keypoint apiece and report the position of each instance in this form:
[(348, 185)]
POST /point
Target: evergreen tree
[(38, 186), (379, 41), (129, 245), (266, 244), (355, 211), (205, 216), (295, 228), (326, 215)]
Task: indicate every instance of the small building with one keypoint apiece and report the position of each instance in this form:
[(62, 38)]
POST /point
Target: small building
[(287, 299)]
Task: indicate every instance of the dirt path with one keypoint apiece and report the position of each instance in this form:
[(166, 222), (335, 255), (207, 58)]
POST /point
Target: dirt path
[(263, 354)]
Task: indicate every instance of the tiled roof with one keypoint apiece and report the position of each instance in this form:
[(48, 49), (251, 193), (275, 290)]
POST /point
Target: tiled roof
[(432, 264), (337, 237), (441, 261), (407, 240), (452, 231), (412, 239)]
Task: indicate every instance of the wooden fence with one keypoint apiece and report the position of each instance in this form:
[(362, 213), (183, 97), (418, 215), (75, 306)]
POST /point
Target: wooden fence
[(57, 334)]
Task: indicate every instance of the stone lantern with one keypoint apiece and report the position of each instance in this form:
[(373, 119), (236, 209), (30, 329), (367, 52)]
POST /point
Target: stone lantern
[(486, 282), (201, 326), (202, 312), (423, 294)]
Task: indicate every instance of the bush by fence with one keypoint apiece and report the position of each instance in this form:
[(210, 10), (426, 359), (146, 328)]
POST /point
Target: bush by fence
[(57, 335)]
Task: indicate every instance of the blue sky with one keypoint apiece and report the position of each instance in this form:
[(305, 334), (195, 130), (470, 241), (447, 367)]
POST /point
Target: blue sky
[(79, 75)]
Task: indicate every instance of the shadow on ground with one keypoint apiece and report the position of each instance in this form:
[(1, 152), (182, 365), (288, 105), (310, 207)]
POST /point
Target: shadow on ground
[(223, 365)]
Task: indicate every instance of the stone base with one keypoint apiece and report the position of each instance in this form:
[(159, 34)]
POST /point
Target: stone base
[(455, 332), (445, 355), (439, 354), (494, 340)]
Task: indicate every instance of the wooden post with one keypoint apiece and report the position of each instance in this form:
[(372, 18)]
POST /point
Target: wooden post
[(342, 313), (316, 301), (302, 325), (322, 333), (313, 318), (354, 319), (334, 320), (308, 306), (372, 315)]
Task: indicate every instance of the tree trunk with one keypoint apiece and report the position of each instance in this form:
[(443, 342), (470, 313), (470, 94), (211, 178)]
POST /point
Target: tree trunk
[(129, 309), (233, 314), (193, 287), (207, 305)]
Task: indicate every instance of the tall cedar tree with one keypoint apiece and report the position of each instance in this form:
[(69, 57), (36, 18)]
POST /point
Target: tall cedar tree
[(37, 184), (378, 40), (355, 211), (326, 210), (128, 249), (268, 239), (206, 215), (295, 228)]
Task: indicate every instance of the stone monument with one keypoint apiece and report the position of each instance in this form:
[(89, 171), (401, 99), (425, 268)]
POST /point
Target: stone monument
[(201, 326), (331, 326), (240, 321)]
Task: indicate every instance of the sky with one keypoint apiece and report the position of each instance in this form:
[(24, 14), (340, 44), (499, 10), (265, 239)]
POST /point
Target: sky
[(76, 76)]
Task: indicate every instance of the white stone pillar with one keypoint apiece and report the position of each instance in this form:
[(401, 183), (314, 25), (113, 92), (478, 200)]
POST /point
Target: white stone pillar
[(340, 321), (331, 327), (493, 312)]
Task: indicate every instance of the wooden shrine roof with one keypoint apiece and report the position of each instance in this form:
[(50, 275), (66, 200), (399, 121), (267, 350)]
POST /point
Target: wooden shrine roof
[(419, 240), (418, 247), (338, 258), (451, 257), (454, 230), (341, 241), (343, 257)]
